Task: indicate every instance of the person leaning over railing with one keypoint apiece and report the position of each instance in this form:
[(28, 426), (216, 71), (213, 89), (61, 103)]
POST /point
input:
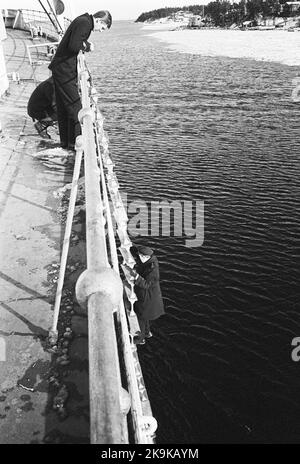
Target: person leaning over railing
[(149, 305), (64, 72)]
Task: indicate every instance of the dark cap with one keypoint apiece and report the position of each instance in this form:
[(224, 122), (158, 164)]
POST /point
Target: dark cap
[(105, 16), (146, 251)]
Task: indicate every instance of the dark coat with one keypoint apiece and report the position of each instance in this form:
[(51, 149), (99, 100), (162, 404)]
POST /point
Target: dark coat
[(64, 72), (150, 303), (42, 101), (64, 62)]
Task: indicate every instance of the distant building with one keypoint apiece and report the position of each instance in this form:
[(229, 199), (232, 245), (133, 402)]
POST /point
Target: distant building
[(182, 16), (293, 6), (248, 23), (196, 21)]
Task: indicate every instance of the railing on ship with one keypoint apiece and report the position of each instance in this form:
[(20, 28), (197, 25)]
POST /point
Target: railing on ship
[(34, 21), (39, 20), (100, 288)]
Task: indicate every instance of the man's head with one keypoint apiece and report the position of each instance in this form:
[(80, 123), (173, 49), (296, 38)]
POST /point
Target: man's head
[(145, 253), (102, 20)]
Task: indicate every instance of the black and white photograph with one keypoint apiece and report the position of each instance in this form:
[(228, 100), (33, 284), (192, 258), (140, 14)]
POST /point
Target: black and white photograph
[(149, 225)]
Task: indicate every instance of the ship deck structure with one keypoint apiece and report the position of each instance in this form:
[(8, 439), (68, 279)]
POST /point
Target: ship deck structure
[(46, 390)]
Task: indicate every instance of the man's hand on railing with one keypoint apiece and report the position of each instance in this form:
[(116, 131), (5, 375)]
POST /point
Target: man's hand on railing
[(88, 46)]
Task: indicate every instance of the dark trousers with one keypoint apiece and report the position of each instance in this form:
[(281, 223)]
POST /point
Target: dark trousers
[(68, 105), (144, 326)]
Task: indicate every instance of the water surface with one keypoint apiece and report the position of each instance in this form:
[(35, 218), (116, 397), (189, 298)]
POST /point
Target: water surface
[(226, 131)]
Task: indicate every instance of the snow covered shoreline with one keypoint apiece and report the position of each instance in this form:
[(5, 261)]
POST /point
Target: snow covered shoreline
[(276, 45)]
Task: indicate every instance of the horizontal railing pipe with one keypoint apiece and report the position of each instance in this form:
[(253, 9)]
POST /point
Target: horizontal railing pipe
[(100, 288), (105, 411), (144, 427)]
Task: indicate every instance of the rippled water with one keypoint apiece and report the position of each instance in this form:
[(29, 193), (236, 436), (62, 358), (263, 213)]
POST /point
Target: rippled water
[(226, 131)]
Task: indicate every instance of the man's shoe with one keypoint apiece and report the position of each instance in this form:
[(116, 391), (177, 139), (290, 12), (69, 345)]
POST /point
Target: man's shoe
[(149, 334), (71, 147), (42, 130), (139, 341)]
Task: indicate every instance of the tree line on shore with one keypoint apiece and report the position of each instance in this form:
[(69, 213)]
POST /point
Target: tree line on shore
[(223, 13)]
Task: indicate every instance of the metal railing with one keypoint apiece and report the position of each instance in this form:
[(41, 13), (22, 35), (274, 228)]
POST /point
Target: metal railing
[(144, 426), (99, 289), (34, 21), (38, 21), (41, 53)]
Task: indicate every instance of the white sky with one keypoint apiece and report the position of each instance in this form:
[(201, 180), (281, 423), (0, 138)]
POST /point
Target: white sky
[(120, 9)]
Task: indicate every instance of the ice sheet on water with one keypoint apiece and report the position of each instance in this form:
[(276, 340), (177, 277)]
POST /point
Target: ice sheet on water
[(276, 45)]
